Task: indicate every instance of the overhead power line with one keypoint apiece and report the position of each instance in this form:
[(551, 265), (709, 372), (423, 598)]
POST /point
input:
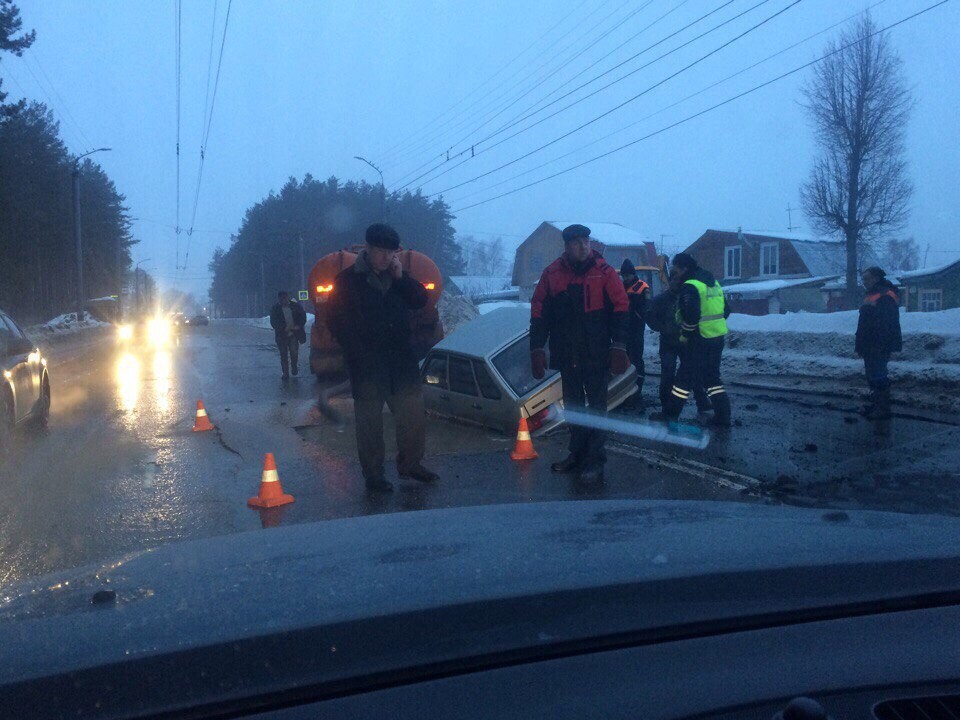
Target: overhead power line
[(178, 24), (206, 132), (608, 85), (623, 104), (415, 137), (688, 118), (35, 57), (702, 90), (580, 38)]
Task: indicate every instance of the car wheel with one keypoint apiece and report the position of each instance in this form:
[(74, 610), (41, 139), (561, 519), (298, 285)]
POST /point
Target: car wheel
[(6, 423), (41, 412)]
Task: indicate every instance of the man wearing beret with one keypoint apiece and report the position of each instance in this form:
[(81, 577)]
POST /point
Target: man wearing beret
[(367, 314), (580, 309)]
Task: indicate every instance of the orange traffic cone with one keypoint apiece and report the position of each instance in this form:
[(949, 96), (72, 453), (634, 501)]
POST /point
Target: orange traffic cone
[(271, 494), (524, 448), (202, 423)]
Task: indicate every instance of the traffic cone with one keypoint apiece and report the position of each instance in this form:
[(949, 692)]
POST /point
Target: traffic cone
[(524, 447), (271, 494), (202, 423)]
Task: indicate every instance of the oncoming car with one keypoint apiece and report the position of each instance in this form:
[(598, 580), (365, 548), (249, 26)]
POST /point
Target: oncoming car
[(481, 374), (24, 382), (152, 330)]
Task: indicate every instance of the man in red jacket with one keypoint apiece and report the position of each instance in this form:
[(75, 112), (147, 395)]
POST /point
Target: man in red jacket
[(580, 307)]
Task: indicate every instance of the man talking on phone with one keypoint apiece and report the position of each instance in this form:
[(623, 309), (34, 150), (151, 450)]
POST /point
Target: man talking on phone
[(367, 315)]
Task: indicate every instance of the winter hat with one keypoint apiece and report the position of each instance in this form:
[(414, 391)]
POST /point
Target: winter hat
[(878, 273), (382, 235), (572, 232), (685, 261), (627, 268)]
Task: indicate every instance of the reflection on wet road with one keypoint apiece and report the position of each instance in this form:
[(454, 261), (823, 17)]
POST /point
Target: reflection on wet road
[(120, 469)]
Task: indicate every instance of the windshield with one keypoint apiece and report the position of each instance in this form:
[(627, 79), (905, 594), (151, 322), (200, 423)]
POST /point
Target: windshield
[(513, 364), (260, 264)]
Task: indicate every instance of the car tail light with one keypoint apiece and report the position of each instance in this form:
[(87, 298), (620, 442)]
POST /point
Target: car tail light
[(430, 286), (536, 421)]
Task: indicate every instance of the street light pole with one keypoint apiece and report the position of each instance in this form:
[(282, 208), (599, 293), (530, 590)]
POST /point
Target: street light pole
[(77, 235), (383, 189), (303, 277)]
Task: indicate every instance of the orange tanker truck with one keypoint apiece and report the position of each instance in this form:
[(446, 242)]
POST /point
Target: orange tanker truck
[(326, 355)]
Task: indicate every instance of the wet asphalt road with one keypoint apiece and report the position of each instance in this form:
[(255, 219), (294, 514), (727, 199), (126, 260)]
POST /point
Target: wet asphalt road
[(119, 468)]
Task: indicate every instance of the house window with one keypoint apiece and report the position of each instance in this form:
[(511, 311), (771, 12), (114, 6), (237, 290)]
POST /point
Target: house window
[(770, 259), (536, 264), (931, 300), (732, 264)]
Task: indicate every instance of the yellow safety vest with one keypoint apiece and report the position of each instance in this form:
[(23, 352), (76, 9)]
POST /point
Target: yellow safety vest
[(712, 323)]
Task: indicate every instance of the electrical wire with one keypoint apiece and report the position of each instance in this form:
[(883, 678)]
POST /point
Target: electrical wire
[(177, 9), (623, 104), (687, 119), (672, 105)]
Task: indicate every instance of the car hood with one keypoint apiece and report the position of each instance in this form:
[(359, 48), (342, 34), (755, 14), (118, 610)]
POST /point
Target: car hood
[(333, 573)]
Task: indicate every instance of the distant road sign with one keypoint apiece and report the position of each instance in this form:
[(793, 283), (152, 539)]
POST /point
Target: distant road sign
[(303, 295)]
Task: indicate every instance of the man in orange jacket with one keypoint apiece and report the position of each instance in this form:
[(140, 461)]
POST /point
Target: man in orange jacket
[(580, 308)]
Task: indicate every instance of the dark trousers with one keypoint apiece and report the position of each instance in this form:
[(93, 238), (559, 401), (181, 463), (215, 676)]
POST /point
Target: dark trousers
[(700, 365), (635, 353), (875, 368), (406, 405), (669, 357), (289, 348), (583, 386)]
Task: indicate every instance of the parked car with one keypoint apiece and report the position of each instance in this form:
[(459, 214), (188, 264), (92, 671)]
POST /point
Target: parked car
[(24, 382), (481, 374), (198, 320)]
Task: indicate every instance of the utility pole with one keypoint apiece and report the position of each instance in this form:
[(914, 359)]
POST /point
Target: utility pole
[(383, 189), (263, 280), (303, 277), (136, 280), (77, 235)]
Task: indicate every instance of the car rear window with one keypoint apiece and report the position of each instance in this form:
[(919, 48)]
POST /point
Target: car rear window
[(488, 388), (435, 371), (461, 377), (513, 363)]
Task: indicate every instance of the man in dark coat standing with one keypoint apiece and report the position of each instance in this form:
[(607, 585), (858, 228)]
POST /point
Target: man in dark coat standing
[(368, 315), (878, 335), (288, 321), (638, 294), (580, 307)]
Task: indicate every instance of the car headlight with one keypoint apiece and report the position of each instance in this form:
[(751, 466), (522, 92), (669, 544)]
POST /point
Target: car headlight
[(158, 331), (125, 332)]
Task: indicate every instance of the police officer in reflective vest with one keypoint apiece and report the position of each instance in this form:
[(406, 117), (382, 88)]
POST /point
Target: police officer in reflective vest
[(702, 313), (638, 294), (580, 307)]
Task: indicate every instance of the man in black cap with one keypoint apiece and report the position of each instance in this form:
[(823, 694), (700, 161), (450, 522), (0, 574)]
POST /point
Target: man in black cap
[(580, 307), (367, 314), (288, 321), (638, 293)]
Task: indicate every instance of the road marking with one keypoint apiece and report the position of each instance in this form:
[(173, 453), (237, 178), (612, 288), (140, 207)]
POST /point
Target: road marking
[(720, 476)]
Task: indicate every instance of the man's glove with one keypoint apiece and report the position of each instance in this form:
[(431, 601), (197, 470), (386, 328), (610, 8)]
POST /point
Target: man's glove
[(619, 362), (538, 363)]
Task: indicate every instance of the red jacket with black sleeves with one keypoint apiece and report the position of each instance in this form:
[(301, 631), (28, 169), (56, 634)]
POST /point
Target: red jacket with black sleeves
[(581, 309)]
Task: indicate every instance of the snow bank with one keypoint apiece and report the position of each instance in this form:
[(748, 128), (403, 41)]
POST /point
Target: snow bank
[(485, 308), (455, 310), (945, 322), (66, 324)]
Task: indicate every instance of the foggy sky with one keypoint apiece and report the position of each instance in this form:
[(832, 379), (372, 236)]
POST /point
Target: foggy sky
[(305, 86)]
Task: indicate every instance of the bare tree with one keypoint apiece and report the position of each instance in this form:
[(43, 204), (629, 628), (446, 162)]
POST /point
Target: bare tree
[(859, 105), (902, 254)]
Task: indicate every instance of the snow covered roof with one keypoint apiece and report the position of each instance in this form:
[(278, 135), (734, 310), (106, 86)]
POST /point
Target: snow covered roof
[(610, 234), (471, 285), (923, 272), (768, 287), (774, 234)]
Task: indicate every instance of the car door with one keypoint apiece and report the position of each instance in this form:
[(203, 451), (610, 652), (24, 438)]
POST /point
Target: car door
[(22, 370), (436, 389), (464, 395), (494, 408)]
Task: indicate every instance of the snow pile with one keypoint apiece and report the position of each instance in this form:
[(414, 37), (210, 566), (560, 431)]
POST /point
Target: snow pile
[(66, 324), (455, 310), (945, 322), (473, 286)]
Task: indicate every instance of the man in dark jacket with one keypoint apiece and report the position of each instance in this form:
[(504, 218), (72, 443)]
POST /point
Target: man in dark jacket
[(580, 307), (368, 315), (288, 320), (662, 318), (702, 312), (878, 335), (638, 294)]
